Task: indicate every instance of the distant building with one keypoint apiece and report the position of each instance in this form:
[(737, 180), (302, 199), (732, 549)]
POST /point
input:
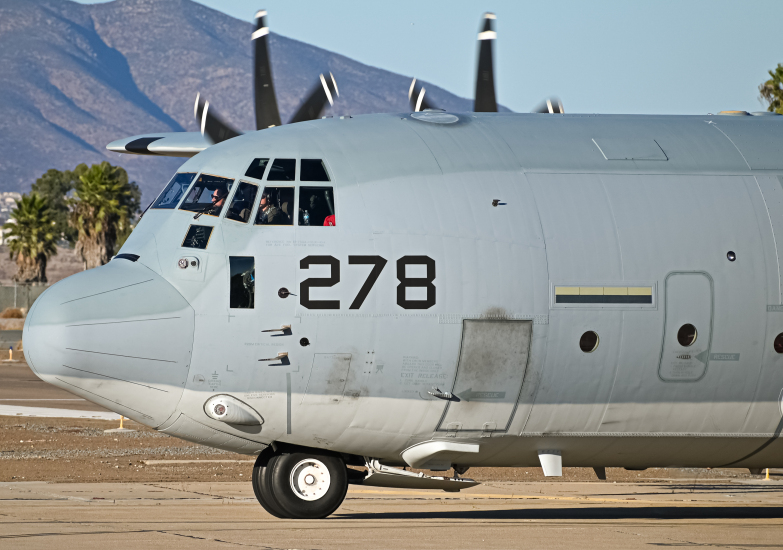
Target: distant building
[(7, 204)]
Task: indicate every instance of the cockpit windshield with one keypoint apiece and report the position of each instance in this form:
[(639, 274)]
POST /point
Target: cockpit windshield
[(208, 195), (170, 196), (242, 202)]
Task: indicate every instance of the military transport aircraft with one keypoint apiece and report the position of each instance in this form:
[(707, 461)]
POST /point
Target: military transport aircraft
[(443, 290)]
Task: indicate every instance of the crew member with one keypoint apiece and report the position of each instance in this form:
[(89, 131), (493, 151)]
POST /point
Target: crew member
[(218, 200), (269, 214)]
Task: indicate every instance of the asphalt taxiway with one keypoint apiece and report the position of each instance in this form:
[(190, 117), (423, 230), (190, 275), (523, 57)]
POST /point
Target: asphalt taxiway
[(158, 496), (21, 389), (596, 515)]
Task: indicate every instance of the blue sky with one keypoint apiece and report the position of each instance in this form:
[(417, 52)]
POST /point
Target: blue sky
[(631, 56)]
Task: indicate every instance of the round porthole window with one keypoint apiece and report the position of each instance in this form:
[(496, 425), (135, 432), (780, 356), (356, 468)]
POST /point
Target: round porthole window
[(778, 343), (687, 334), (588, 342)]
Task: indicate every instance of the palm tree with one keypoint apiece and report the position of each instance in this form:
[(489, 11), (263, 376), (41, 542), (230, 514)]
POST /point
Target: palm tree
[(772, 90), (31, 238), (101, 211)]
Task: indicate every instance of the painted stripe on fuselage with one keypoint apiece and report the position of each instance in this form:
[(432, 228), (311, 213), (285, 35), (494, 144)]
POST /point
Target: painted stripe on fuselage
[(603, 295)]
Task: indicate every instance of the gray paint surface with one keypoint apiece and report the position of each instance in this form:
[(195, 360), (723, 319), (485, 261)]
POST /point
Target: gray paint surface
[(508, 207)]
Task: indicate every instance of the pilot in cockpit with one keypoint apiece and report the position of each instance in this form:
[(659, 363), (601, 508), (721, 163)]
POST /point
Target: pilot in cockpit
[(219, 196), (216, 207), (218, 200), (269, 214)]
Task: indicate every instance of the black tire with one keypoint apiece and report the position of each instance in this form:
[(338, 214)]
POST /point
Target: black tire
[(295, 497), (262, 486)]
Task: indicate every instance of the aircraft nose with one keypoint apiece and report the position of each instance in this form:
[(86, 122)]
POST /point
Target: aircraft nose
[(118, 335)]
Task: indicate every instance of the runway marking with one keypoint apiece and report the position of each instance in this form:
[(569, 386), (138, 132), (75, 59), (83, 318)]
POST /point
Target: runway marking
[(625, 500), (45, 412), (154, 462)]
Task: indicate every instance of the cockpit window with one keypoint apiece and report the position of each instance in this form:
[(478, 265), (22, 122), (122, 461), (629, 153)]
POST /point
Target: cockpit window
[(174, 190), (257, 169), (316, 206), (282, 170), (276, 206), (208, 195), (242, 202), (313, 170), (243, 282)]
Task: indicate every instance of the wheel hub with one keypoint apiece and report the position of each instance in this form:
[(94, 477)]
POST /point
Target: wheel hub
[(310, 479)]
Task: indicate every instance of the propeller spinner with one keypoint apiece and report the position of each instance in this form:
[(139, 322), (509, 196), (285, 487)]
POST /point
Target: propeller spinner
[(267, 113)]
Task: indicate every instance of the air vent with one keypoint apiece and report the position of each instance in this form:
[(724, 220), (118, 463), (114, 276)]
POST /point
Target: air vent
[(629, 148), (435, 117)]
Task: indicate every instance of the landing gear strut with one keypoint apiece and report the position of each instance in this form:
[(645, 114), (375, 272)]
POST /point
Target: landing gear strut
[(300, 484)]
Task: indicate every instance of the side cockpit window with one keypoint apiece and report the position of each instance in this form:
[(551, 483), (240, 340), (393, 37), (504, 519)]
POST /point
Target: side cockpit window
[(170, 196), (276, 206), (313, 170), (208, 195), (316, 206), (282, 170), (257, 169), (242, 292), (242, 203)]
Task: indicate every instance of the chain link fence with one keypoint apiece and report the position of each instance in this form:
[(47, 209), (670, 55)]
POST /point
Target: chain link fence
[(20, 296), (17, 297)]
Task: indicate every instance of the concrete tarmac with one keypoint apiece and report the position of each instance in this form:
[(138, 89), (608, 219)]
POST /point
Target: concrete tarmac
[(21, 387), (596, 515)]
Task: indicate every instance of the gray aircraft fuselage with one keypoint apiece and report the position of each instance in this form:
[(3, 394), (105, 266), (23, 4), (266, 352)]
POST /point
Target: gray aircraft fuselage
[(504, 239)]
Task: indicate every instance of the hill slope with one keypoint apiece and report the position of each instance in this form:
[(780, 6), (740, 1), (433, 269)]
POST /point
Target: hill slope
[(74, 77)]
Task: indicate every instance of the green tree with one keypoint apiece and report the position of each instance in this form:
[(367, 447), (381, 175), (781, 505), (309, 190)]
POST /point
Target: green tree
[(54, 186), (31, 238), (772, 90), (103, 207)]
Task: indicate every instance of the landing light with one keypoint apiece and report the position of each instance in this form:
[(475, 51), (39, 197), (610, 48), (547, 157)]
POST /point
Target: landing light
[(231, 410)]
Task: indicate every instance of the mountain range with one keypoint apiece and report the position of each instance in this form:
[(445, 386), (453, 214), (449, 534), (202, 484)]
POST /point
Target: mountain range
[(74, 77)]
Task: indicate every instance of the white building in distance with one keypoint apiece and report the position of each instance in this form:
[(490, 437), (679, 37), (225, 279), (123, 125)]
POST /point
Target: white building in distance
[(7, 204)]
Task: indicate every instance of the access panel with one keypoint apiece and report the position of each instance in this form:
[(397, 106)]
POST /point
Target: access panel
[(492, 363), (328, 376), (687, 333)]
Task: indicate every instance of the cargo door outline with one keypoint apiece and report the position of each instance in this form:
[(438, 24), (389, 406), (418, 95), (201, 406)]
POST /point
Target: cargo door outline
[(670, 332), (488, 417)]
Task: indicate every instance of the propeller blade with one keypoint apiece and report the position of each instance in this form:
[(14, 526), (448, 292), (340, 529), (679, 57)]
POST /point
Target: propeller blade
[(267, 114), (211, 124), (416, 98), (484, 101), (322, 93), (551, 105)]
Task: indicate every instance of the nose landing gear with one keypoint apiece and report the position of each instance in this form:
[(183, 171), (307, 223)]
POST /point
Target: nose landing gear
[(301, 484)]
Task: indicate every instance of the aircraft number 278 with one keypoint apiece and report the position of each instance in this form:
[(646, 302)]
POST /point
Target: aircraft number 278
[(378, 264)]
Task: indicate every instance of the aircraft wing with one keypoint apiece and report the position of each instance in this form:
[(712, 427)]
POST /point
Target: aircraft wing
[(167, 144)]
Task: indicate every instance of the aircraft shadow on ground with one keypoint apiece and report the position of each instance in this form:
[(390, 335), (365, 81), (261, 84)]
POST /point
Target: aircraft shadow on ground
[(685, 490), (603, 513)]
